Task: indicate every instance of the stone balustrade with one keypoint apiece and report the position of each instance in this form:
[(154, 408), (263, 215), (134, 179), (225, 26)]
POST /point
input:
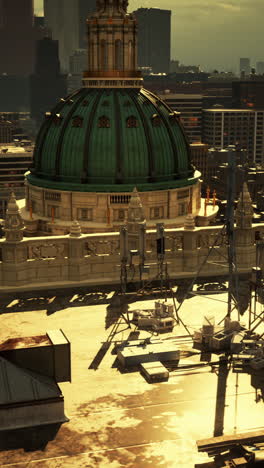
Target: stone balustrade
[(94, 259)]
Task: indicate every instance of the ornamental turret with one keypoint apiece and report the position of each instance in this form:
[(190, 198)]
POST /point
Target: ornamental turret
[(14, 225), (244, 212), (244, 234), (136, 224), (112, 54)]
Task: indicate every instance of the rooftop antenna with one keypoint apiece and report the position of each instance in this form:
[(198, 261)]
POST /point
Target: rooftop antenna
[(230, 227)]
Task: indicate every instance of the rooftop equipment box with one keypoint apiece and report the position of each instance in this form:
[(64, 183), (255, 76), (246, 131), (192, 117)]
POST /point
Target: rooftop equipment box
[(48, 354), (132, 356)]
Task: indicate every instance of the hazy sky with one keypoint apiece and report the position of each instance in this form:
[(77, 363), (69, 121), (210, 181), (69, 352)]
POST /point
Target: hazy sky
[(212, 33)]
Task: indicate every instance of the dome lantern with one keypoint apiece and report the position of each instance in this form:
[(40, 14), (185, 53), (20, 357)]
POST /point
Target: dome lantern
[(112, 55)]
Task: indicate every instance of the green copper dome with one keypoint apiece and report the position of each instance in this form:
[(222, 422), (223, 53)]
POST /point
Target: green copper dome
[(111, 140)]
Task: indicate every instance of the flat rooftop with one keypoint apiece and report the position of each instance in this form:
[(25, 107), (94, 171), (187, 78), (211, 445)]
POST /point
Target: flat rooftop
[(15, 149), (118, 419), (239, 111), (25, 342)]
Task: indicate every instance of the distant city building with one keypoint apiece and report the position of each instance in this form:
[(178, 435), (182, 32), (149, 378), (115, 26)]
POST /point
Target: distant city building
[(47, 85), (190, 107), (186, 83), (241, 127), (199, 158), (222, 76), (18, 35), (78, 64), (254, 176), (260, 68), (245, 66), (248, 94), (20, 121), (176, 67), (14, 93), (217, 96), (86, 8), (208, 160), (6, 131), (154, 38), (14, 162), (39, 21), (61, 18), (66, 20)]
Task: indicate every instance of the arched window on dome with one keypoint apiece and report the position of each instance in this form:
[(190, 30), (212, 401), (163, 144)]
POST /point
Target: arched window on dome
[(132, 122), (156, 120), (104, 122), (174, 117), (103, 55), (57, 119), (119, 55), (77, 121)]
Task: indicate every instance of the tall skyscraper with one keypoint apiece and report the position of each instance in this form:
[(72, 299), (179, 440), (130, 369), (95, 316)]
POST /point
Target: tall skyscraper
[(245, 66), (86, 8), (66, 20), (62, 20), (47, 84), (154, 38), (248, 94), (78, 64), (17, 37), (260, 68)]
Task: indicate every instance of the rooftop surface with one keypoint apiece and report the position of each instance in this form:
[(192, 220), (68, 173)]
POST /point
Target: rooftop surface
[(12, 149), (24, 342), (118, 419)]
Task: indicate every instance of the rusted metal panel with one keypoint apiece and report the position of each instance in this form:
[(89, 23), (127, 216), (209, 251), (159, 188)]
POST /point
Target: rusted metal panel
[(49, 355)]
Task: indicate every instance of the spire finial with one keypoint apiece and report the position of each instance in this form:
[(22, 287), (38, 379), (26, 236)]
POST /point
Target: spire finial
[(112, 6), (135, 208), (244, 211), (75, 229), (189, 224)]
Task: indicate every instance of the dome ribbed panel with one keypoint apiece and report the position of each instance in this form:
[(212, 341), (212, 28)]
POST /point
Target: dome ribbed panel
[(162, 152), (51, 141), (102, 147), (179, 140), (134, 150), (71, 161), (90, 158)]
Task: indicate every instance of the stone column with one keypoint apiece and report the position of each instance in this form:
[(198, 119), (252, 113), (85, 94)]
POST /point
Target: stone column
[(14, 249), (76, 254), (190, 252)]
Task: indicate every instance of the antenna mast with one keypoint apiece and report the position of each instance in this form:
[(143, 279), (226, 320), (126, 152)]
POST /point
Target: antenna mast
[(230, 224)]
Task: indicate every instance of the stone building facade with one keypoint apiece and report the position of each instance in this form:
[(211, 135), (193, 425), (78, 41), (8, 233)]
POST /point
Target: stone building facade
[(53, 211), (96, 258)]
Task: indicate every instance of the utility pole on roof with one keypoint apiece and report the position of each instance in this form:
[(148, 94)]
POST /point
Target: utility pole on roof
[(230, 223)]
